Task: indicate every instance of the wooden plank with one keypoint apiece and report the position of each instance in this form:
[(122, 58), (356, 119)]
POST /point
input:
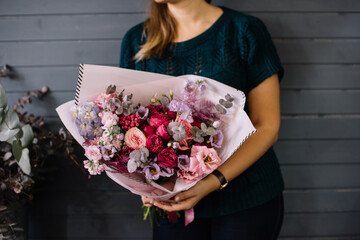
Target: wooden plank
[(292, 6), (321, 176), (325, 200), (314, 127), (31, 78), (302, 225), (320, 102), (319, 50), (93, 226), (77, 203), (107, 52), (321, 225), (114, 26), (318, 151), (20, 7), (292, 102), (65, 27), (23, 7), (318, 76), (297, 76)]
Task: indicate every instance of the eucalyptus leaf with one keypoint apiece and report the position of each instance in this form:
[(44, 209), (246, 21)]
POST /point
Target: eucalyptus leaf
[(28, 135), (17, 149), (24, 162), (203, 127), (211, 131)]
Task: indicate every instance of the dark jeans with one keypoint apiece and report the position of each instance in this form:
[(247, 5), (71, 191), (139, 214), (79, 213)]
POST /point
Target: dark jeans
[(259, 223)]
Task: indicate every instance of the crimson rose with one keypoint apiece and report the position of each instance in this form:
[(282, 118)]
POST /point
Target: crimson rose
[(167, 158), (154, 143), (158, 119)]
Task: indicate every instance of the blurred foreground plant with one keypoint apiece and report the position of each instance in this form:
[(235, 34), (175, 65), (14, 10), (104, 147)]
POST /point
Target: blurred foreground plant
[(25, 146)]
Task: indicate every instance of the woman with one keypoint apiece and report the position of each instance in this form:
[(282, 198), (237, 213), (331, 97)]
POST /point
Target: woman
[(194, 37)]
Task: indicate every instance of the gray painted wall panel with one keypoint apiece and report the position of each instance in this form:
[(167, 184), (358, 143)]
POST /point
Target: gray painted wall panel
[(318, 151), (24, 7)]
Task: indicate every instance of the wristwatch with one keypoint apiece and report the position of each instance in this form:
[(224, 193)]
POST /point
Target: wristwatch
[(221, 178)]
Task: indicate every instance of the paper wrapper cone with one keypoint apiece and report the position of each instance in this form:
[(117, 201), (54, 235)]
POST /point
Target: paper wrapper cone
[(93, 80)]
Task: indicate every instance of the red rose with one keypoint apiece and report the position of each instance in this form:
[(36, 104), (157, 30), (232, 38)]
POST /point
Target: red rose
[(171, 115), (149, 130), (197, 122), (167, 158), (163, 132), (158, 119), (155, 109), (154, 143)]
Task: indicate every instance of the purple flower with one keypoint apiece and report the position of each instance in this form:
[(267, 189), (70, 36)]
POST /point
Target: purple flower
[(143, 112), (152, 171), (85, 129), (176, 106), (216, 140), (107, 152), (88, 112), (166, 172), (183, 162)]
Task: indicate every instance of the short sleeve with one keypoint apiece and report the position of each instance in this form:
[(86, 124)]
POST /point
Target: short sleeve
[(261, 57)]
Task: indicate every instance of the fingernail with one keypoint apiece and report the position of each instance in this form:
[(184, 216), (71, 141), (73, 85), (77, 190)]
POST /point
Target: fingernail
[(177, 199)]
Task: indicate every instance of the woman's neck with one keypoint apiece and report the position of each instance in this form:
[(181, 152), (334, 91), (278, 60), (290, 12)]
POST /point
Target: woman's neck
[(193, 17)]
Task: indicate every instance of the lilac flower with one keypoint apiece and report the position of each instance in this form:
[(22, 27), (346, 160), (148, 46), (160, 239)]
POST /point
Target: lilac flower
[(176, 106), (152, 171), (183, 162), (216, 140), (166, 172), (143, 112), (177, 131), (107, 152)]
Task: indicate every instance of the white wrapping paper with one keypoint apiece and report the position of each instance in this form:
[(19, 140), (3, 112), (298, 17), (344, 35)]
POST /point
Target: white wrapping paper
[(93, 80)]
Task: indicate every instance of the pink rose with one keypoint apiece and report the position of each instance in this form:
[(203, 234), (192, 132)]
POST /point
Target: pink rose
[(149, 130), (167, 158), (163, 132), (203, 160), (158, 119), (93, 153), (108, 119), (188, 176), (135, 138), (154, 143)]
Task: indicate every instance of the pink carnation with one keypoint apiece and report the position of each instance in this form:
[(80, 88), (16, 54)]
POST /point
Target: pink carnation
[(104, 97), (108, 119), (203, 160), (93, 153), (135, 138), (188, 176), (183, 145)]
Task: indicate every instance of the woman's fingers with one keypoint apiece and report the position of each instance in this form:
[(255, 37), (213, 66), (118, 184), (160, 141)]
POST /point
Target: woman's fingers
[(148, 202)]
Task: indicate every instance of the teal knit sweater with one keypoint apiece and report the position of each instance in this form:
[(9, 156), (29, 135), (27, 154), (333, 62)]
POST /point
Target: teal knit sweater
[(236, 50)]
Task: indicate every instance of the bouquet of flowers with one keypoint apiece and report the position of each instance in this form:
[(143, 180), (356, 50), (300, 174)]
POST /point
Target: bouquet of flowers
[(152, 143)]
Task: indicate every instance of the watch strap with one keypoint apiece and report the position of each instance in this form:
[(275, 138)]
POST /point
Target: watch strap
[(221, 177)]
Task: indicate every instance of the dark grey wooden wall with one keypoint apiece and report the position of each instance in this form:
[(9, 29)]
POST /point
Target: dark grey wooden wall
[(319, 146)]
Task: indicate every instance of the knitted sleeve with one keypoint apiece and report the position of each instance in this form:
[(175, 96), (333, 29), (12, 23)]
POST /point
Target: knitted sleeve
[(262, 60), (129, 46)]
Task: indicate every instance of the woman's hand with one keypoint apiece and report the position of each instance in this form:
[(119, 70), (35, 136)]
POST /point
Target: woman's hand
[(188, 199)]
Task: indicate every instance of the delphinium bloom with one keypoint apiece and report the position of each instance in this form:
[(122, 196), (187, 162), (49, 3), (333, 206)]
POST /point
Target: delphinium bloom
[(87, 120)]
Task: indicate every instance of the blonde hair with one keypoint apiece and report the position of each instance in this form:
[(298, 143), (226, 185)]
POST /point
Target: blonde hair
[(160, 30)]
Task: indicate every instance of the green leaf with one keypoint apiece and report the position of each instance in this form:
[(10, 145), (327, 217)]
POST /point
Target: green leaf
[(3, 100), (10, 126), (24, 162), (17, 149), (203, 127), (28, 135)]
